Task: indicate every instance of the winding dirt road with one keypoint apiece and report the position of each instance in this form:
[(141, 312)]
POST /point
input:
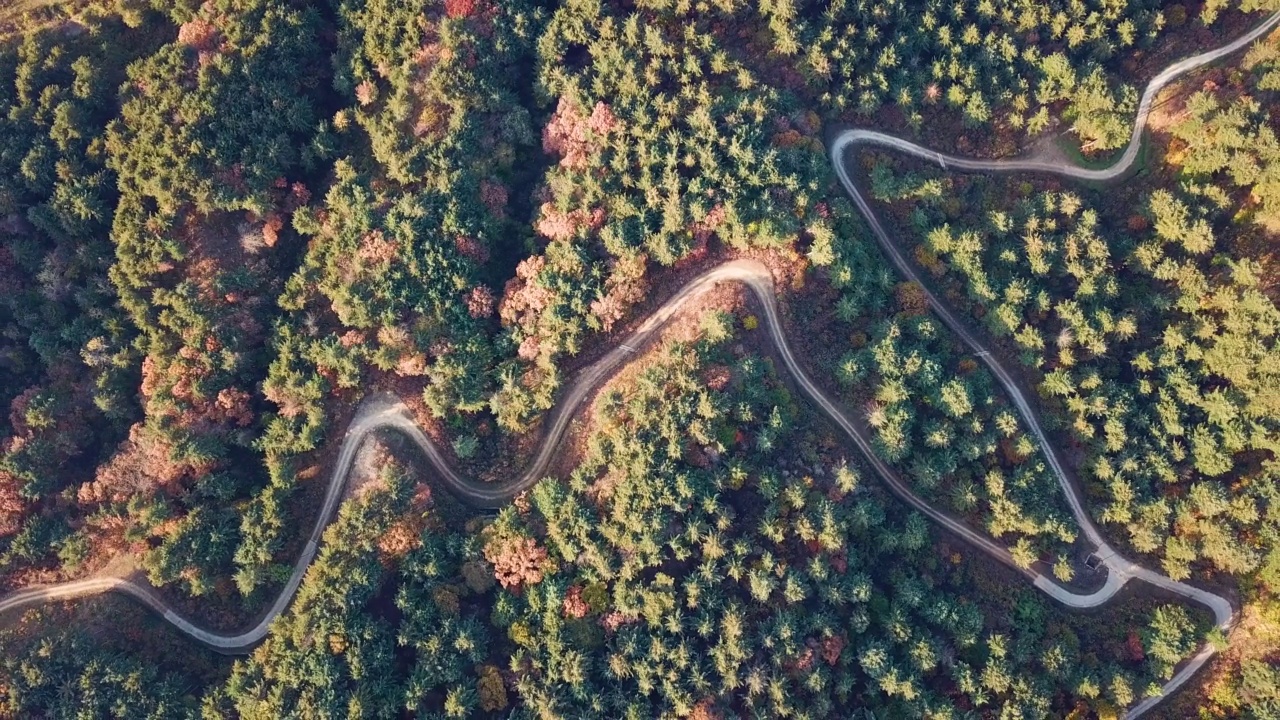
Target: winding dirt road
[(382, 410), (1120, 570)]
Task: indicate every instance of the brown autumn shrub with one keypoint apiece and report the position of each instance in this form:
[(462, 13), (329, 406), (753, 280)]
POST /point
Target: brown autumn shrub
[(517, 561)]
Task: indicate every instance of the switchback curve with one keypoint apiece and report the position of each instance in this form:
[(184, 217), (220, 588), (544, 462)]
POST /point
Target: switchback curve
[(1120, 570), (381, 410)]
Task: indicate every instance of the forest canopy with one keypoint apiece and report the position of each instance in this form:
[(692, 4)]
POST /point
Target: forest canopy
[(226, 224)]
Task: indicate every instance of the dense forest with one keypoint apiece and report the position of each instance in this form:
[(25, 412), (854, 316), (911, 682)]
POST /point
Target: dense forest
[(1151, 333), (225, 222)]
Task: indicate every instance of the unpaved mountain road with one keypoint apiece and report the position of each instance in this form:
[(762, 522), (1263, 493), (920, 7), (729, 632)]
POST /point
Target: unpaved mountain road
[(381, 410)]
